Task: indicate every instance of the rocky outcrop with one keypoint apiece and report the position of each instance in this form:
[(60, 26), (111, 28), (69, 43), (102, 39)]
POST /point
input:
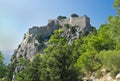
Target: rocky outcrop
[(101, 75), (35, 39), (30, 45)]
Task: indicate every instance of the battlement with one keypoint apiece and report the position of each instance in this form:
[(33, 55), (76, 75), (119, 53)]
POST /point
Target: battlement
[(82, 21), (44, 30)]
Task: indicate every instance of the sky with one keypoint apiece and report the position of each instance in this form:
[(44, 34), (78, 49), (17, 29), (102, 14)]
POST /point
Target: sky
[(17, 16)]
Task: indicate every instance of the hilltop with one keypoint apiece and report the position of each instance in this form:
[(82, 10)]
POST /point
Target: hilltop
[(35, 40), (67, 49)]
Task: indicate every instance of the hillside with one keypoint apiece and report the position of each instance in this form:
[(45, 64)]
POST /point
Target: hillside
[(67, 49), (37, 38)]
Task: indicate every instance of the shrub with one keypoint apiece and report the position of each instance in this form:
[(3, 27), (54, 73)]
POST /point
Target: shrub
[(39, 38), (72, 29), (93, 30), (87, 62), (19, 46), (74, 15), (113, 73), (61, 17), (60, 26), (110, 59), (30, 40), (99, 74), (66, 25)]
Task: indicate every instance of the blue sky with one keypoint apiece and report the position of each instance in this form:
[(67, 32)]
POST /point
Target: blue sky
[(17, 16)]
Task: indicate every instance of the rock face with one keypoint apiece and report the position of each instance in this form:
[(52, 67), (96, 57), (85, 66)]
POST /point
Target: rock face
[(29, 46), (35, 39)]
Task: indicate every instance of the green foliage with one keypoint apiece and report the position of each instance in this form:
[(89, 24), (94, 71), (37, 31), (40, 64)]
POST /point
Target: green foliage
[(34, 68), (22, 76), (114, 30), (67, 25), (58, 66), (2, 67), (99, 74), (116, 3), (72, 29), (31, 72), (10, 70), (39, 38), (56, 39), (63, 62), (61, 17), (74, 15), (113, 73), (104, 38), (60, 26), (117, 6), (90, 46), (110, 59), (93, 30), (22, 61), (87, 62), (30, 40)]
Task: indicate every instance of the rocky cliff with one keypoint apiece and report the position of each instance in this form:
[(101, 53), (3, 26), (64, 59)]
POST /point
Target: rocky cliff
[(31, 44), (35, 39)]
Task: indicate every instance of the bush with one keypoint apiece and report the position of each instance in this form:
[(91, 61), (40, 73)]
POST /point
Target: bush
[(99, 74), (74, 15), (61, 17), (113, 73), (19, 46), (30, 40), (87, 62), (93, 30), (60, 26), (66, 25), (72, 29), (39, 38), (110, 59)]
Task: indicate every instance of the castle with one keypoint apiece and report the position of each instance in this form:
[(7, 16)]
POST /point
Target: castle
[(30, 45), (82, 22)]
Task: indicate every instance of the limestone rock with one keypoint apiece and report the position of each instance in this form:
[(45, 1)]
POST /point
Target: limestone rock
[(31, 45), (118, 76)]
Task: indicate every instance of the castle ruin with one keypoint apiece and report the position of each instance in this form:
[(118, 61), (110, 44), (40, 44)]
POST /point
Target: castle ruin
[(83, 22)]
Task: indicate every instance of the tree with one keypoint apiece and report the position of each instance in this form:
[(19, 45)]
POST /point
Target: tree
[(93, 30), (110, 59), (56, 39), (67, 25), (74, 15), (87, 62), (114, 30), (22, 76), (2, 67), (34, 68), (58, 66), (57, 62), (117, 6), (61, 17), (31, 71)]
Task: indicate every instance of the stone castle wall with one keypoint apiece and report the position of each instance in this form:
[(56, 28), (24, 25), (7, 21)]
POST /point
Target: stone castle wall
[(44, 30), (83, 22)]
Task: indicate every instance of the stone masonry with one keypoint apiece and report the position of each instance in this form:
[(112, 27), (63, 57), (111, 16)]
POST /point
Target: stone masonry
[(83, 22)]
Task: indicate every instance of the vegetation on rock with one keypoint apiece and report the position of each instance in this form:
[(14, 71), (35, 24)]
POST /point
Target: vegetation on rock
[(64, 62), (74, 15)]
